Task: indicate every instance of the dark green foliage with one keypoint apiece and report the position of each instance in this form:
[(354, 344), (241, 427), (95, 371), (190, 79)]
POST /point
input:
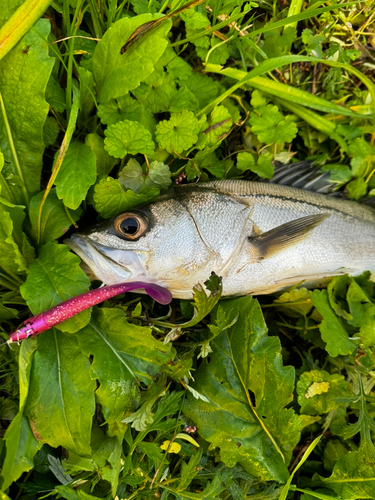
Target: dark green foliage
[(210, 399)]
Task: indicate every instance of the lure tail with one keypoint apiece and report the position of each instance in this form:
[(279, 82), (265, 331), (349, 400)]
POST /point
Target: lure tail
[(69, 308)]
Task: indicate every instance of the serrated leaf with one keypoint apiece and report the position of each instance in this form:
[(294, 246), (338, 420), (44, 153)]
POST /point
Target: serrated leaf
[(77, 173), (317, 391), (124, 355), (245, 161), (261, 435), (264, 167), (203, 87), (61, 400), (128, 137), (132, 176), (332, 327), (26, 108), (57, 277), (126, 108), (111, 199), (54, 221), (157, 96), (269, 125), (115, 73), (179, 133)]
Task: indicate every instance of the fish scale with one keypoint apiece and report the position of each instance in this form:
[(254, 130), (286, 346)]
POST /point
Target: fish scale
[(260, 237)]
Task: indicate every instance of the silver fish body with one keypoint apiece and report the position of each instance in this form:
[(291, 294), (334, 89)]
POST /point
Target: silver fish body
[(260, 238)]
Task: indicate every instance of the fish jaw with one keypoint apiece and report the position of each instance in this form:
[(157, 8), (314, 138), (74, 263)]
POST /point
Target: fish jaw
[(100, 261)]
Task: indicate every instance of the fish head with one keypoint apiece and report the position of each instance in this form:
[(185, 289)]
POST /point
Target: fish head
[(175, 242)]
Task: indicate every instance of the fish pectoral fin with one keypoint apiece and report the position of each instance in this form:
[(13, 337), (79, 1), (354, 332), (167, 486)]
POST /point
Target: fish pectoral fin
[(284, 236)]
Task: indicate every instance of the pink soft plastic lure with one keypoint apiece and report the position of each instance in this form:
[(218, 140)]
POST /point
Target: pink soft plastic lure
[(65, 310)]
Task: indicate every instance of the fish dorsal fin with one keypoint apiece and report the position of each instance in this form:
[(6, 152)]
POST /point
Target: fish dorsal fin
[(284, 236)]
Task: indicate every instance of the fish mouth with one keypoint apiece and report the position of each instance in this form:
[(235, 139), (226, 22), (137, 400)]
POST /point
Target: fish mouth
[(108, 265)]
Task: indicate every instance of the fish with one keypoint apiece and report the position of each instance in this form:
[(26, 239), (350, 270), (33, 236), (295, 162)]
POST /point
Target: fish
[(260, 238)]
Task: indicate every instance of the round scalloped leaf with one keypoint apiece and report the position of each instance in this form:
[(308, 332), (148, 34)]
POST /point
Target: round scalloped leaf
[(128, 137), (179, 133)]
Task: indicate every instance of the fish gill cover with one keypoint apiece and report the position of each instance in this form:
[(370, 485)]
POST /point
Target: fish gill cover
[(102, 107)]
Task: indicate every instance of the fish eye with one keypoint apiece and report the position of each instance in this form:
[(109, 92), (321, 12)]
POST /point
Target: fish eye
[(130, 225)]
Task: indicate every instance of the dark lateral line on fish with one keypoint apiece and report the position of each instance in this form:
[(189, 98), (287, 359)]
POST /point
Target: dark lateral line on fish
[(311, 204)]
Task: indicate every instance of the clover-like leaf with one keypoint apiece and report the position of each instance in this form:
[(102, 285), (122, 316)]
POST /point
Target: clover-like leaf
[(133, 176), (111, 199), (179, 133), (270, 126), (128, 137)]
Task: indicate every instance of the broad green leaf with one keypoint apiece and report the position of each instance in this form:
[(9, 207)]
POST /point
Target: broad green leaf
[(333, 451), (20, 441), (357, 188), (55, 221), (128, 137), (17, 215), (21, 448), (318, 390), (220, 122), (264, 167), (25, 108), (111, 199), (248, 389), (332, 327), (270, 126), (353, 477), (77, 173), (8, 9), (87, 93), (55, 95), (179, 133), (7, 313), (124, 355), (203, 87), (11, 257), (296, 303), (50, 131), (57, 277), (115, 73), (245, 161), (61, 400), (133, 176), (104, 162), (71, 493)]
